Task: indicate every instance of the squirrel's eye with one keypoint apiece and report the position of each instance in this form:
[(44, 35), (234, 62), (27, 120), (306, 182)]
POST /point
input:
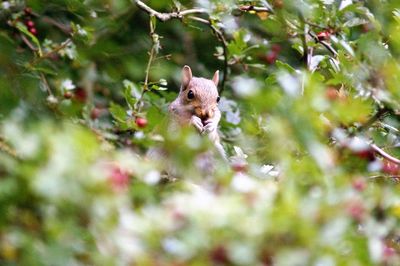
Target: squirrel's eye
[(218, 99), (190, 95)]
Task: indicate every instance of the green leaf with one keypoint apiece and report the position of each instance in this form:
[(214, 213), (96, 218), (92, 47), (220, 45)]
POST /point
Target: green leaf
[(22, 28), (284, 66), (118, 112)]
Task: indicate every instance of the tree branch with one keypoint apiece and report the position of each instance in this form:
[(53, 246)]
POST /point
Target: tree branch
[(377, 116), (325, 44), (167, 16), (256, 9), (28, 43), (55, 50), (224, 43), (7, 148), (179, 15), (384, 154), (152, 54)]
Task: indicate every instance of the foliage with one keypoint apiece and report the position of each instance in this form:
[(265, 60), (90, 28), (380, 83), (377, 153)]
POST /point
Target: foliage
[(310, 105)]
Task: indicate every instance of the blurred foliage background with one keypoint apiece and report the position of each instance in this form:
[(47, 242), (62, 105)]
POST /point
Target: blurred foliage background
[(310, 104)]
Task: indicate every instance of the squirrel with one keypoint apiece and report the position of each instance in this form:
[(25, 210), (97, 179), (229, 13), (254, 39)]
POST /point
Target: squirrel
[(197, 105)]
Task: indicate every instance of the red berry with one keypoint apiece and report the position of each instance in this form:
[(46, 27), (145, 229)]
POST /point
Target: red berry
[(67, 95), (366, 27), (219, 255), (119, 178), (80, 95), (141, 122), (271, 57), (324, 35), (33, 31), (366, 155), (28, 11), (95, 113), (388, 251), (331, 93), (278, 4), (356, 210), (30, 23), (359, 184), (276, 48), (239, 166), (390, 168)]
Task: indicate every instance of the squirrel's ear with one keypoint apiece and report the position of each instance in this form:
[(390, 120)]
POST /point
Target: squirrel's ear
[(186, 76), (215, 79)]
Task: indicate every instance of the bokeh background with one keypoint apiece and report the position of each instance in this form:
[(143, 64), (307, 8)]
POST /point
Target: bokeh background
[(310, 103)]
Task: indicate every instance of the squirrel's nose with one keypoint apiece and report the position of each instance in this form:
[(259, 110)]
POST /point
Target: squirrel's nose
[(204, 115)]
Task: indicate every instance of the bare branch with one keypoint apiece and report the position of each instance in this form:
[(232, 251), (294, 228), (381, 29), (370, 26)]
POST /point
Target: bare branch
[(224, 43), (384, 154), (152, 54), (167, 16), (376, 117), (325, 44), (50, 53), (28, 43), (64, 28), (7, 148), (45, 83), (179, 15), (256, 9)]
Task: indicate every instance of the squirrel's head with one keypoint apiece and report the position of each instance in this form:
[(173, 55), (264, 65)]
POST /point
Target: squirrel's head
[(199, 95)]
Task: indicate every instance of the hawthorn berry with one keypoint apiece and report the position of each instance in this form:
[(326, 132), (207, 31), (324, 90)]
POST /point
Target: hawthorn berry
[(219, 255), (239, 166), (28, 11), (390, 168), (141, 122), (366, 155), (278, 4), (359, 184), (276, 48), (356, 210), (68, 95), (331, 94), (324, 35), (119, 178), (95, 113), (271, 57), (80, 95), (30, 23), (33, 31), (388, 251)]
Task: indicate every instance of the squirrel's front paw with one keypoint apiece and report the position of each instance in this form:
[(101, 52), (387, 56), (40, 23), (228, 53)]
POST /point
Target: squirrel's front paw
[(210, 126), (196, 122)]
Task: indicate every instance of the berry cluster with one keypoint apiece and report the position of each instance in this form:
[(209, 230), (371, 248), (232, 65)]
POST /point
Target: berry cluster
[(28, 22)]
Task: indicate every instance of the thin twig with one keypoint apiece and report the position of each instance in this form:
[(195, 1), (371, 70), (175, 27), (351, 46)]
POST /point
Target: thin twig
[(377, 116), (50, 53), (325, 44), (167, 16), (316, 25), (64, 28), (256, 9), (179, 15), (384, 154), (45, 83), (151, 59), (28, 43), (224, 43), (7, 149), (389, 127)]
